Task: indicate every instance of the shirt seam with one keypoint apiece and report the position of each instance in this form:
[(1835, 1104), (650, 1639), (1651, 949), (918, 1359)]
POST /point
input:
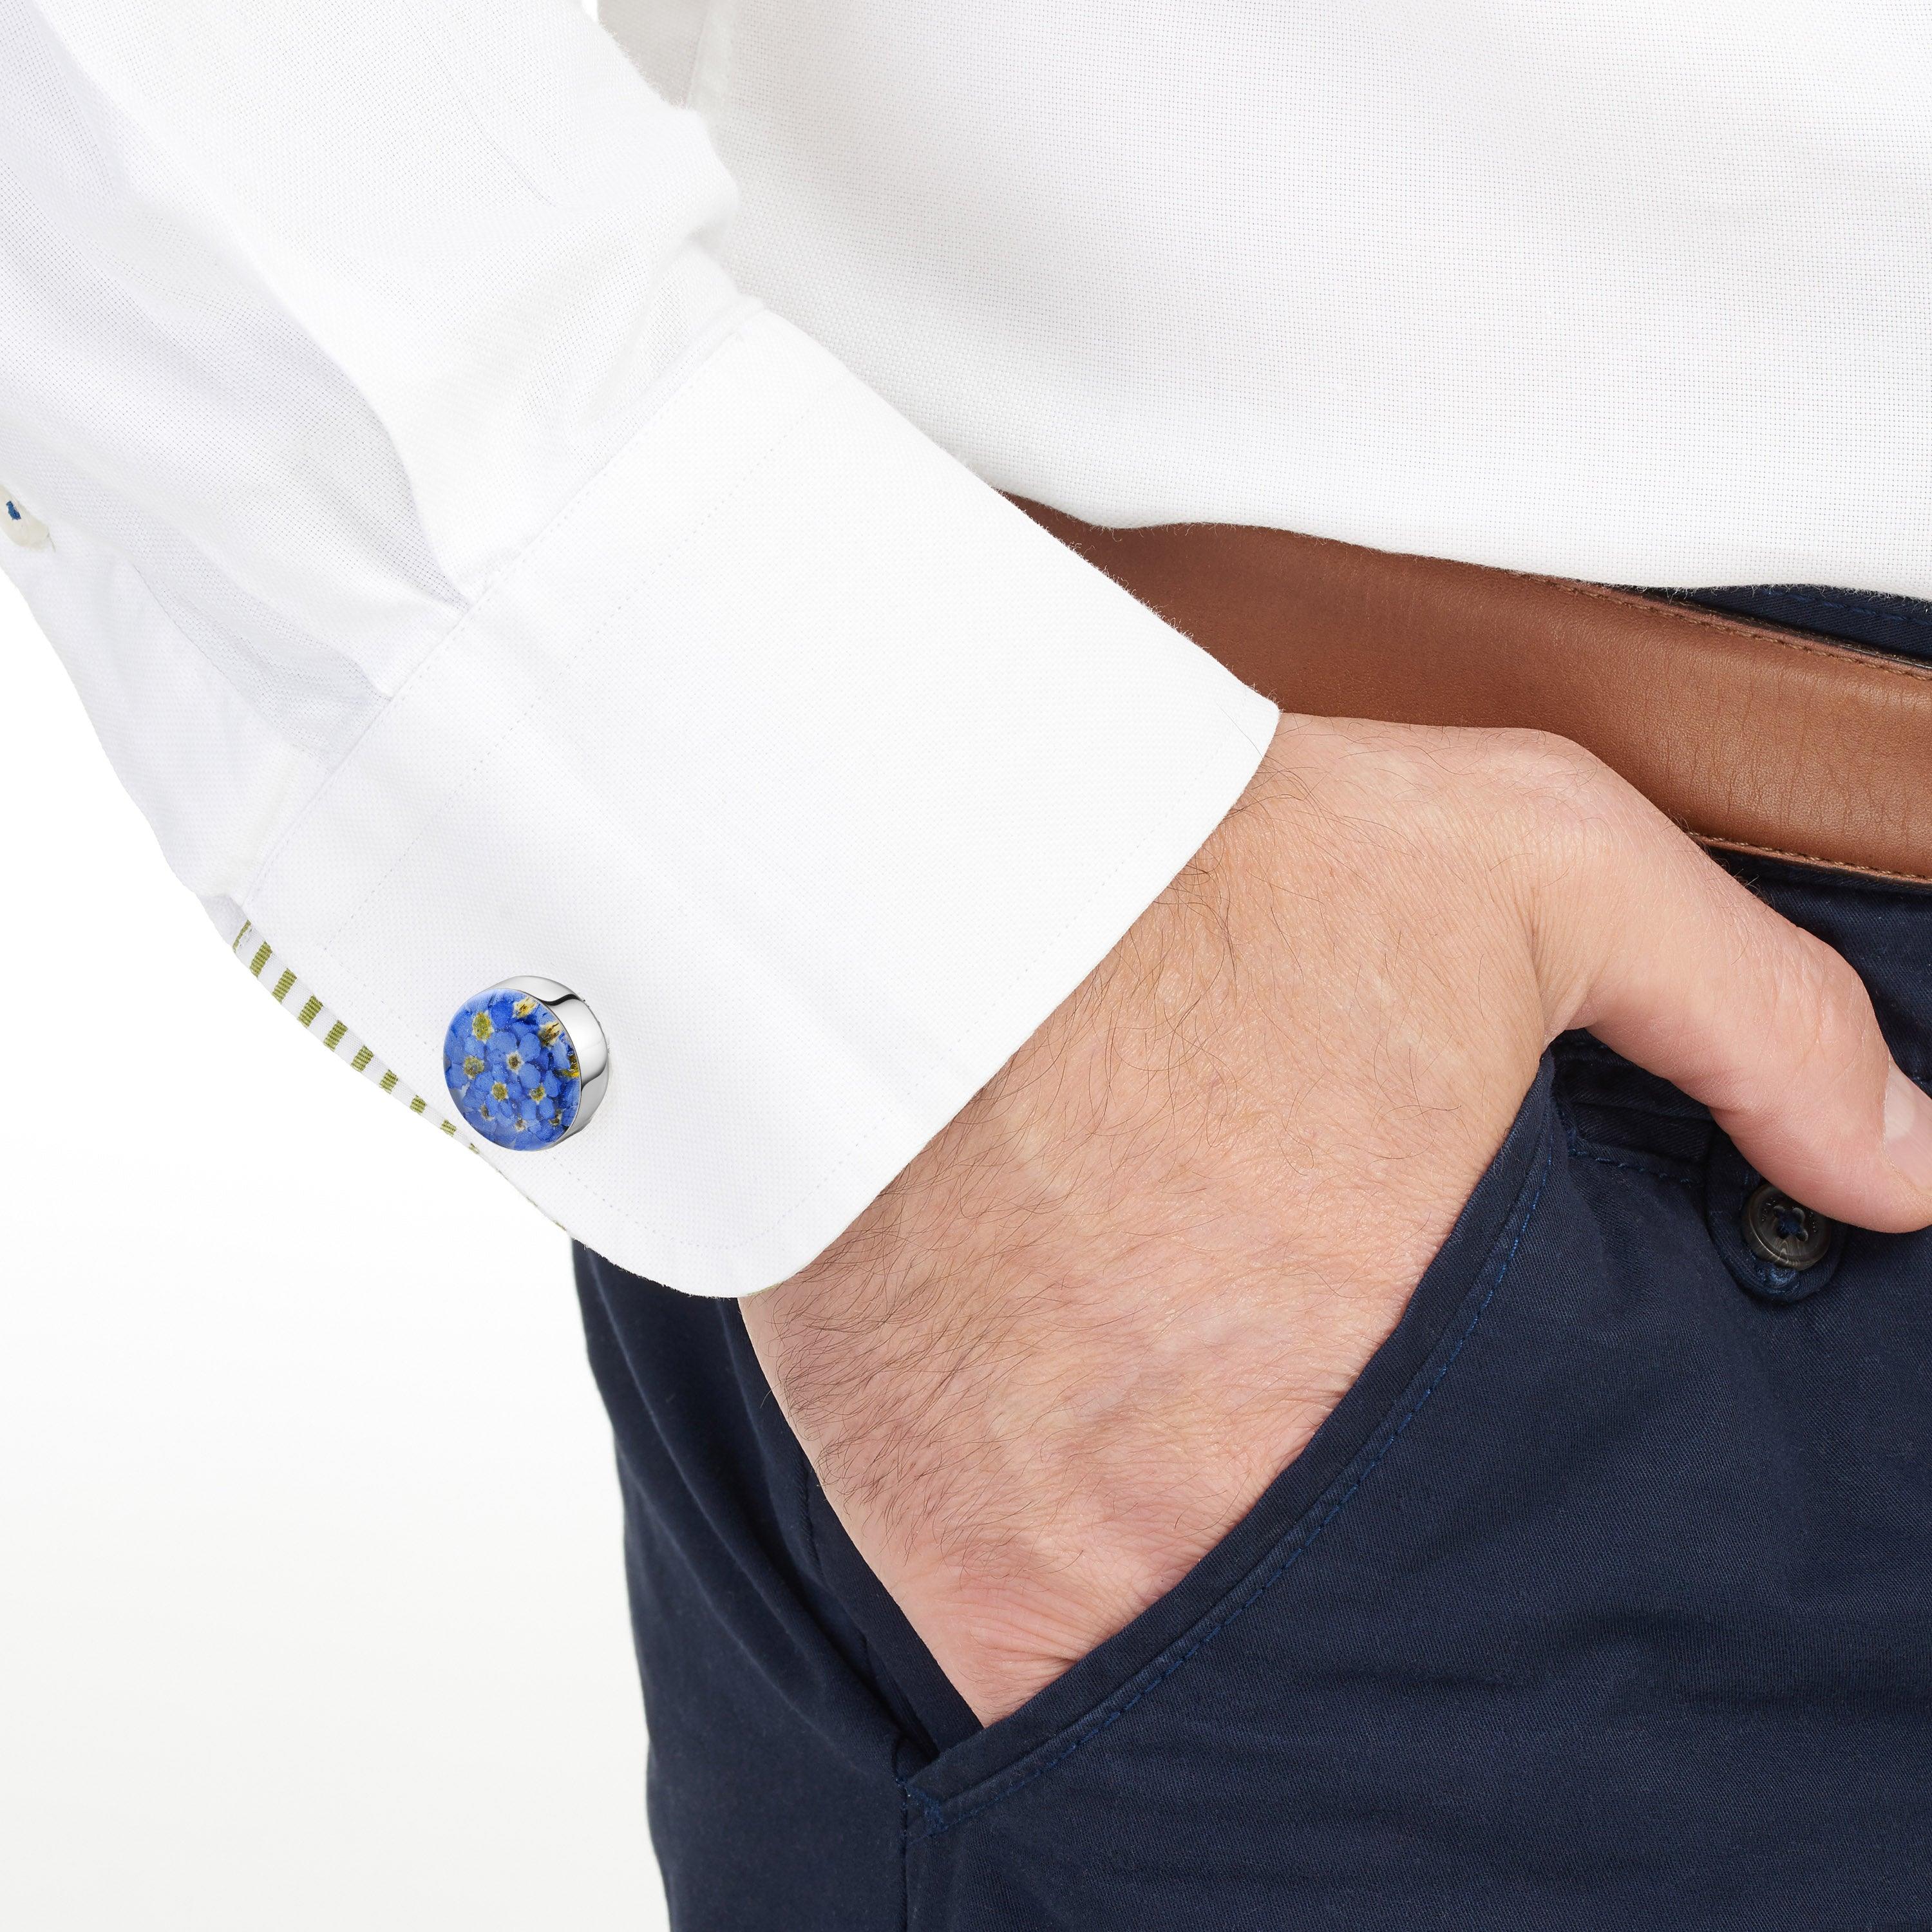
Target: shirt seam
[(726, 334), (596, 634)]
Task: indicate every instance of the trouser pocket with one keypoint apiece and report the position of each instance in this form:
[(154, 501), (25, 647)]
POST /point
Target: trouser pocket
[(1105, 1688), (1603, 1600)]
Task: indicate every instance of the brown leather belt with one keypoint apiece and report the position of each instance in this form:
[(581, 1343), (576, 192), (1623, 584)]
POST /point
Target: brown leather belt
[(1763, 741)]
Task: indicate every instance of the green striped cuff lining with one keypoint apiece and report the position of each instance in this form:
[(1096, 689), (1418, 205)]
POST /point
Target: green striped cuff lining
[(289, 993)]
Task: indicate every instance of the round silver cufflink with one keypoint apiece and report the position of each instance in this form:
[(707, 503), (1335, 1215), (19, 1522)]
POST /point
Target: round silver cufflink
[(526, 1063)]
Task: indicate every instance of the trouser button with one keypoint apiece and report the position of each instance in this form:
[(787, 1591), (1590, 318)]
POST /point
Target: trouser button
[(1777, 1248), (1784, 1234)]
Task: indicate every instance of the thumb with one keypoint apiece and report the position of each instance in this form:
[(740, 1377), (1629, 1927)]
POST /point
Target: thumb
[(1668, 959)]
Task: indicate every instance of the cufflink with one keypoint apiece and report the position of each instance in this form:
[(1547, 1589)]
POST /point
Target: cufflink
[(526, 1063)]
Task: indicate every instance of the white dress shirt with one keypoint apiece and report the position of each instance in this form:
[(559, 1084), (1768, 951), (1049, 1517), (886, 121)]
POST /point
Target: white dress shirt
[(1638, 291), (472, 576)]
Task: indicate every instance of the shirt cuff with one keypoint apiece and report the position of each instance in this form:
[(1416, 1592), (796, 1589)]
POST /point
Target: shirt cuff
[(814, 768)]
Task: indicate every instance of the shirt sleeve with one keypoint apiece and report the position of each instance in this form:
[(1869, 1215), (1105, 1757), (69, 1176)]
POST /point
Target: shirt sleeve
[(470, 585)]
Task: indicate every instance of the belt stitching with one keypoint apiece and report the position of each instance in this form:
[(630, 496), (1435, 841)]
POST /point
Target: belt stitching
[(1711, 620), (1832, 653), (1813, 859)]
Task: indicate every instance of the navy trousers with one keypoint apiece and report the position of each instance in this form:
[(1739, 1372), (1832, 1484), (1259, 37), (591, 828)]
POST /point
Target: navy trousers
[(1602, 1600)]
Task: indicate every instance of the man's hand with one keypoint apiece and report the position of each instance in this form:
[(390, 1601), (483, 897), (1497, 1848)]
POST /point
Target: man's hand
[(1067, 1350)]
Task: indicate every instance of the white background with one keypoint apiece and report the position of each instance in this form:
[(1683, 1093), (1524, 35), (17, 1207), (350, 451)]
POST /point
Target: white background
[(311, 1595)]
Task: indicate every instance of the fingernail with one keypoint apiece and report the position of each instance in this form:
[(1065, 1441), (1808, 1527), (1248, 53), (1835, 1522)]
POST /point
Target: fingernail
[(1908, 1129)]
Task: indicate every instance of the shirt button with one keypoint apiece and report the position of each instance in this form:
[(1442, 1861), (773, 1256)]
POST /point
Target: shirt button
[(29, 531), (1781, 1232)]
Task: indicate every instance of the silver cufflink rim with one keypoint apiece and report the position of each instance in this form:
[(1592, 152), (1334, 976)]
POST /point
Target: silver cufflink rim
[(587, 1035)]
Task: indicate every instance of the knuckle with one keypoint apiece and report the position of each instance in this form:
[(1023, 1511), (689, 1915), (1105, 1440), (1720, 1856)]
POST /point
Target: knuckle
[(1825, 997), (1560, 803), (1818, 1020), (1552, 773)]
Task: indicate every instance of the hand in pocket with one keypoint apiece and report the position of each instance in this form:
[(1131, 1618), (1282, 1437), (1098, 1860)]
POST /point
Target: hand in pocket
[(1079, 1335)]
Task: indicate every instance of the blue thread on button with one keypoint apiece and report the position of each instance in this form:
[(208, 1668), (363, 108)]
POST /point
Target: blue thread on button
[(14, 511), (512, 1070)]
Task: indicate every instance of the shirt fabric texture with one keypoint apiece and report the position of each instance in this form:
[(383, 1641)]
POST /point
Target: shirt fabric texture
[(488, 543)]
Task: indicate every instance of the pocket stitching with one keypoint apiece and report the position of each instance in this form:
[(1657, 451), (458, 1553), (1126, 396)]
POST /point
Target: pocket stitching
[(937, 1822)]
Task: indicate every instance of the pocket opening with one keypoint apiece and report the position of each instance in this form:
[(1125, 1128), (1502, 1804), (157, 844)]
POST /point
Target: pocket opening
[(1288, 1518)]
